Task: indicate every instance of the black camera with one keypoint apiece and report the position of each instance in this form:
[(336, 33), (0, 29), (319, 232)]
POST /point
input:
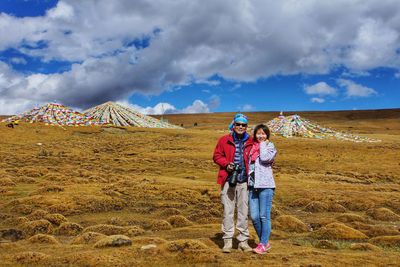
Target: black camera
[(234, 176)]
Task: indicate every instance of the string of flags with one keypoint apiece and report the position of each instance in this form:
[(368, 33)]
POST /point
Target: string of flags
[(115, 114), (54, 114), (105, 114), (294, 125)]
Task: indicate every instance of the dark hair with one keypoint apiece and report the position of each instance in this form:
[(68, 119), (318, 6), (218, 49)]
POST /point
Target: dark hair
[(264, 128)]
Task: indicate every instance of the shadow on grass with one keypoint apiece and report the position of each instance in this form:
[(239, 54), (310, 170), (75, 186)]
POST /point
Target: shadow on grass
[(219, 241)]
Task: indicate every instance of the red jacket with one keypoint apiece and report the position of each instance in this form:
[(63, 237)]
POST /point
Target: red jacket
[(224, 154)]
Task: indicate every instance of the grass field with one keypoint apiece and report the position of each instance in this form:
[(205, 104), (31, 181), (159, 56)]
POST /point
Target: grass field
[(66, 192)]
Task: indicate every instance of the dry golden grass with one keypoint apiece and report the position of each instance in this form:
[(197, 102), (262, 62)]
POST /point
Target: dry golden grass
[(158, 187)]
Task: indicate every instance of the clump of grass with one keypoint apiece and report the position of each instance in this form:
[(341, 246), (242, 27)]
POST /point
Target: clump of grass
[(350, 217), (30, 257), (179, 221), (37, 227), (364, 247), (113, 241), (160, 225), (325, 244), (6, 182), (383, 214), (299, 203), (387, 241), (16, 220), (108, 229), (360, 205), (88, 238), (170, 212), (185, 245), (37, 215), (117, 221), (338, 231), (143, 240), (336, 207), (316, 206), (50, 189), (290, 224), (374, 230), (55, 218), (22, 209), (43, 239), (65, 208), (69, 229)]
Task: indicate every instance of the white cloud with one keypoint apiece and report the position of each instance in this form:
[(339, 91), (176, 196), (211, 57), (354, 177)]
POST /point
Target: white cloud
[(320, 88), (356, 90), (18, 60), (197, 106), (246, 107), (317, 100)]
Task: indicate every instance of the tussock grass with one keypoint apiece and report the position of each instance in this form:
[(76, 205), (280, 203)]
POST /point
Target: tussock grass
[(132, 179), (290, 224), (43, 239), (69, 229)]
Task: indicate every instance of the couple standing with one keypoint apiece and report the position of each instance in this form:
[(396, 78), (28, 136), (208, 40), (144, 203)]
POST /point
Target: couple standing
[(255, 183)]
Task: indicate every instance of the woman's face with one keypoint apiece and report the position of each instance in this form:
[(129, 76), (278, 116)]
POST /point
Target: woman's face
[(261, 135)]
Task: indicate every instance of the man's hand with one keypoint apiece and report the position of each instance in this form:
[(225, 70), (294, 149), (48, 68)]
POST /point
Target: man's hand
[(230, 167)]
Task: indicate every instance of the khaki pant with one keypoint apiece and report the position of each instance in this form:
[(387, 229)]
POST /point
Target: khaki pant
[(232, 197)]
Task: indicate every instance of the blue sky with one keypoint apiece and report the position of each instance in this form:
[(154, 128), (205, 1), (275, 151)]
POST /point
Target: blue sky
[(189, 57)]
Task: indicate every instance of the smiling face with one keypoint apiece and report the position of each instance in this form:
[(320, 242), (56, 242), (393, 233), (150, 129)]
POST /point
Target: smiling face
[(240, 128), (261, 135)]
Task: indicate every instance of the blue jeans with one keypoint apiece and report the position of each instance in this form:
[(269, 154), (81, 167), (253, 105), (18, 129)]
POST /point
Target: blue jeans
[(260, 201)]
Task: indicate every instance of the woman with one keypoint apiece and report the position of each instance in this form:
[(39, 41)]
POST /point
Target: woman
[(261, 185)]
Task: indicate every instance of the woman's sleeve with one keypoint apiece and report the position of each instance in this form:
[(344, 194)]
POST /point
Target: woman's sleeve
[(267, 152)]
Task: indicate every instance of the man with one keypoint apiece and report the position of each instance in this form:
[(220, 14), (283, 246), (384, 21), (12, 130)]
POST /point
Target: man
[(233, 149)]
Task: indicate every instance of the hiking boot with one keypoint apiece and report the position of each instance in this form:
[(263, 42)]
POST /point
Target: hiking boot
[(227, 246), (261, 249), (245, 247)]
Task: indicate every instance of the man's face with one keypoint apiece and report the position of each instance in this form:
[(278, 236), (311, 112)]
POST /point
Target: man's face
[(240, 128)]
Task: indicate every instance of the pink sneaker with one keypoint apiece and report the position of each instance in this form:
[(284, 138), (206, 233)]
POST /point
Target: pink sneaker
[(261, 249)]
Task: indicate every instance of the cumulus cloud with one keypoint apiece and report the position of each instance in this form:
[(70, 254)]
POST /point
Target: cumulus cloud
[(197, 106), (18, 60), (356, 90), (246, 107), (317, 100), (117, 48), (321, 89)]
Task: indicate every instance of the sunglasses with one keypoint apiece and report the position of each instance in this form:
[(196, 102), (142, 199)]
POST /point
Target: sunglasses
[(240, 124)]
